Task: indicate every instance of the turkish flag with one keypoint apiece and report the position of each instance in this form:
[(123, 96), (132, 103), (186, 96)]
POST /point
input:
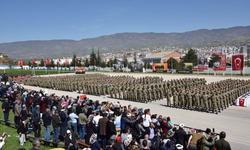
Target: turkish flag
[(34, 61), (59, 60), (241, 102), (95, 61), (67, 62), (237, 62), (47, 62), (3, 61)]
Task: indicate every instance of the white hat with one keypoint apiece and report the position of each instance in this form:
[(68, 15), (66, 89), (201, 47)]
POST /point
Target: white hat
[(128, 114), (181, 125), (68, 131), (179, 146)]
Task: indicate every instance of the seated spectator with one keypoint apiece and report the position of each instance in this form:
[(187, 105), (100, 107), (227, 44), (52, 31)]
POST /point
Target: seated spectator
[(209, 139), (36, 144), (110, 144), (93, 142), (192, 142), (148, 141), (134, 145), (2, 138), (71, 140), (145, 145), (222, 144)]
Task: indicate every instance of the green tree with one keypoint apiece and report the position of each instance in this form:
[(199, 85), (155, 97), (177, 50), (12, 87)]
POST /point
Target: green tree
[(110, 63), (191, 57), (103, 64), (52, 63), (135, 59), (73, 62), (41, 63), (129, 65), (10, 62), (211, 60), (149, 66), (86, 62), (99, 59), (79, 62), (125, 61), (115, 61), (92, 57), (29, 64), (169, 62)]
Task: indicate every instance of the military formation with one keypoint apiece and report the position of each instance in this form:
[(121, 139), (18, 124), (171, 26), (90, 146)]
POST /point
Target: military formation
[(186, 93)]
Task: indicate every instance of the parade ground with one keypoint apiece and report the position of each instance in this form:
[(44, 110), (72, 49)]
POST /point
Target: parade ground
[(234, 120)]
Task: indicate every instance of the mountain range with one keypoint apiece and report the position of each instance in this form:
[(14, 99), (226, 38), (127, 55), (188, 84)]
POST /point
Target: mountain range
[(126, 41)]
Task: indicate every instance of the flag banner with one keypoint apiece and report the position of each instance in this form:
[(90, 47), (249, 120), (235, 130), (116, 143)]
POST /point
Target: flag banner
[(219, 63), (202, 63), (3, 61), (59, 60), (95, 61), (67, 62), (19, 63), (34, 61), (237, 62), (47, 62)]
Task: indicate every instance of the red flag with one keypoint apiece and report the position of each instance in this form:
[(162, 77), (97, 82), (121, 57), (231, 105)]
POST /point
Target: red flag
[(59, 60), (237, 62), (95, 61), (3, 60), (146, 61), (34, 61), (47, 62), (19, 63), (67, 62)]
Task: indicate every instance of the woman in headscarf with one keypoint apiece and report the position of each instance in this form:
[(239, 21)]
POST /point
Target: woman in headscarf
[(90, 128), (93, 142)]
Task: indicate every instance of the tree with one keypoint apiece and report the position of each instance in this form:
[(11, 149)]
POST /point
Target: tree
[(103, 64), (125, 61), (149, 66), (135, 59), (115, 61), (73, 62), (211, 60), (98, 61), (41, 63), (169, 62), (110, 63), (86, 62), (10, 62), (92, 57), (29, 64), (191, 57), (79, 62), (52, 63)]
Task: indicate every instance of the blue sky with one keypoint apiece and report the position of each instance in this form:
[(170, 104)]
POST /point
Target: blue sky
[(22, 20)]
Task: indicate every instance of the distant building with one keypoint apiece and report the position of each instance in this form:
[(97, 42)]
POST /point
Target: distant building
[(2, 55), (162, 57), (246, 51)]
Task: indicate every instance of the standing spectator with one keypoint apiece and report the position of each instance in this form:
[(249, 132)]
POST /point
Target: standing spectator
[(17, 111), (90, 128), (124, 136), (36, 144), (21, 130), (165, 127), (148, 141), (130, 121), (36, 121), (110, 129), (170, 123), (192, 141), (145, 145), (24, 113), (6, 109), (222, 144), (64, 125), (102, 129), (151, 132), (5, 78), (146, 120), (47, 124), (209, 139), (180, 135), (71, 140), (82, 122), (118, 123), (96, 121), (73, 121), (93, 142), (56, 124)]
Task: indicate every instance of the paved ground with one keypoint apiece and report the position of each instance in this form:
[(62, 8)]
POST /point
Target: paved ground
[(234, 121)]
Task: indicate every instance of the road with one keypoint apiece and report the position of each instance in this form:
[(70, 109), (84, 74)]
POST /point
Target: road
[(234, 120)]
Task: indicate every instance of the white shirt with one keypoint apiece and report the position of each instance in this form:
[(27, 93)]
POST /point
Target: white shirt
[(2, 144), (72, 118), (96, 120), (146, 120)]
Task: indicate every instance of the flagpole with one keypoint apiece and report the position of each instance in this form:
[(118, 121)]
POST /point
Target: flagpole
[(231, 65)]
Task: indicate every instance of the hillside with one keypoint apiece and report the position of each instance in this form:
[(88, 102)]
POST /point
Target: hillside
[(123, 41)]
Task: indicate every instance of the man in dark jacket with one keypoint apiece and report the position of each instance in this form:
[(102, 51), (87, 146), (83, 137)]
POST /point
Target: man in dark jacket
[(6, 109), (71, 140), (56, 124), (21, 130), (102, 129), (222, 144), (180, 135), (36, 121), (47, 124), (64, 125), (110, 129)]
